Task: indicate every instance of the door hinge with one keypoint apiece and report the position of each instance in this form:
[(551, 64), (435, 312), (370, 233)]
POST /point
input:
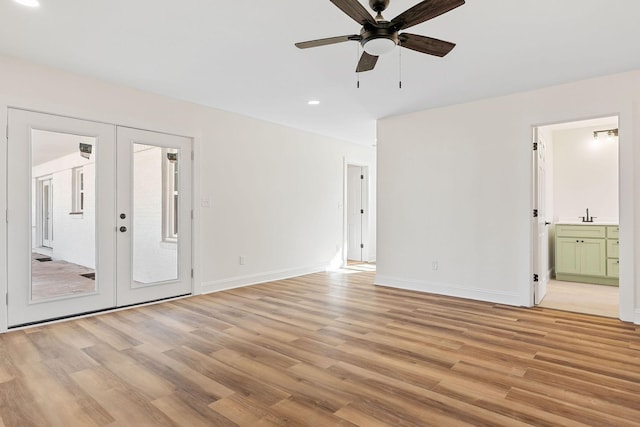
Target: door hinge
[(192, 273), (193, 156), (7, 297), (535, 213), (535, 277), (191, 213), (361, 245), (361, 176), (7, 133), (361, 211), (535, 146)]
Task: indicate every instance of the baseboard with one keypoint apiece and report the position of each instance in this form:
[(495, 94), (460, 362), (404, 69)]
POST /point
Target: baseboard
[(636, 317), (253, 279), (450, 290)]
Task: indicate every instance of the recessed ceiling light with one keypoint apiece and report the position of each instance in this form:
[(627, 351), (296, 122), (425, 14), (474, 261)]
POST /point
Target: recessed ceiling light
[(29, 3), (314, 102)]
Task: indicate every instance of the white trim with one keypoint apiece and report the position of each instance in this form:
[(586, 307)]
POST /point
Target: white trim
[(636, 317), (508, 298), (254, 279)]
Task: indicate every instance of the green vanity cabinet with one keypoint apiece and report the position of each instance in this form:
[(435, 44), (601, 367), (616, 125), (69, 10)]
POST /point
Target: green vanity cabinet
[(585, 253)]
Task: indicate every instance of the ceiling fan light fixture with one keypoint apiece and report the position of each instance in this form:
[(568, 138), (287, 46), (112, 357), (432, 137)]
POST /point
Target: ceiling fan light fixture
[(28, 3), (379, 46)]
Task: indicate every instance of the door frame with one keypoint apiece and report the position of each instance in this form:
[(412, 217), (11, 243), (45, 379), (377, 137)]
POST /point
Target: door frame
[(625, 286), (343, 250)]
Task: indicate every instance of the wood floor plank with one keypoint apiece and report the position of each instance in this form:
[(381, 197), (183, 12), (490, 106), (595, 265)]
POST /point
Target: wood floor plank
[(125, 404), (324, 349), (19, 407), (60, 404)]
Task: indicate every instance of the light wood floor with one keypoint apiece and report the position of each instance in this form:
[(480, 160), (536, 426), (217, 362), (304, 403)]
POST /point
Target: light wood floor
[(326, 349), (599, 300)]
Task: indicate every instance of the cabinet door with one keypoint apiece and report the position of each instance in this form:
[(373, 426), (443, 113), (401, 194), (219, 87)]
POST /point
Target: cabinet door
[(613, 268), (567, 255), (593, 257), (613, 248)]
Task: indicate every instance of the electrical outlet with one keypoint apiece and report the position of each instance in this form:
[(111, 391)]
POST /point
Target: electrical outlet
[(243, 260), (434, 265)]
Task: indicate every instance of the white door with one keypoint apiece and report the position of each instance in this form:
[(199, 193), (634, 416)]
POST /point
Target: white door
[(45, 212), (355, 178), (541, 242), (154, 216), (79, 275), (123, 235)]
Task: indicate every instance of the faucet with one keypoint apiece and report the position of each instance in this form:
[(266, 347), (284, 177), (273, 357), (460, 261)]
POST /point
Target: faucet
[(587, 218)]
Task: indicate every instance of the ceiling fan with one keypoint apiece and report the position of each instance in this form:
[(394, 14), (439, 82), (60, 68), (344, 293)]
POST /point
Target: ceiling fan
[(379, 36)]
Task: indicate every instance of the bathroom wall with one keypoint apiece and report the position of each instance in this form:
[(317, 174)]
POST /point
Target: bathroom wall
[(585, 174)]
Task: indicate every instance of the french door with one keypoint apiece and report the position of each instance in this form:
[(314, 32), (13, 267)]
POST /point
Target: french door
[(121, 212)]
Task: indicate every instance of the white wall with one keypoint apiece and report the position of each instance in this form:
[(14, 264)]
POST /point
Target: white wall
[(454, 186), (585, 174), (275, 194)]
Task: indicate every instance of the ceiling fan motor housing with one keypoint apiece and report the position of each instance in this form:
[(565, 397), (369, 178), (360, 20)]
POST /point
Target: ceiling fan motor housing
[(381, 31)]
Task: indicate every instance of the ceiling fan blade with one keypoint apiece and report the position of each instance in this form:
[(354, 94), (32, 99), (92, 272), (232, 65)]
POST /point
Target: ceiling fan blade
[(367, 62), (324, 42), (423, 11), (355, 10), (424, 44)]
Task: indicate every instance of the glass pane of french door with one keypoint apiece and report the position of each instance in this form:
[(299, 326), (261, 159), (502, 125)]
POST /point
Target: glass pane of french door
[(61, 257), (63, 264)]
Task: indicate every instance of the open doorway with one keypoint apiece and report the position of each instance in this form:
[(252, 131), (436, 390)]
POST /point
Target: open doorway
[(576, 226), (357, 217)]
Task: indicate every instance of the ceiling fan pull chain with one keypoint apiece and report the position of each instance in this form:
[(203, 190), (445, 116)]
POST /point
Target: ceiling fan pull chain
[(357, 59), (400, 68)]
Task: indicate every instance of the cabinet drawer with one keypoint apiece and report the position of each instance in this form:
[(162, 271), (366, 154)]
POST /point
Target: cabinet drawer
[(613, 248), (593, 231), (613, 231), (613, 267)]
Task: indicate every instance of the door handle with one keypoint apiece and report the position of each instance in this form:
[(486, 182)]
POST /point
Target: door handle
[(123, 229)]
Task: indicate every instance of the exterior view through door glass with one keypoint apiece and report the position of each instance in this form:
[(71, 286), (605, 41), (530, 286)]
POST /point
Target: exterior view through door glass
[(154, 207), (64, 265), (60, 261)]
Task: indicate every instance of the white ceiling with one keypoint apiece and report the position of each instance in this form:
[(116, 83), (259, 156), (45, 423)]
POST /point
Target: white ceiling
[(239, 55)]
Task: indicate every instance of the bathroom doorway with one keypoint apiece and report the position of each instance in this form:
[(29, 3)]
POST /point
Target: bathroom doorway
[(577, 200)]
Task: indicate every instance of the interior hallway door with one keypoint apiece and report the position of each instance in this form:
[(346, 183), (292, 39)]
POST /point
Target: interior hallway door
[(355, 212), (541, 225)]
